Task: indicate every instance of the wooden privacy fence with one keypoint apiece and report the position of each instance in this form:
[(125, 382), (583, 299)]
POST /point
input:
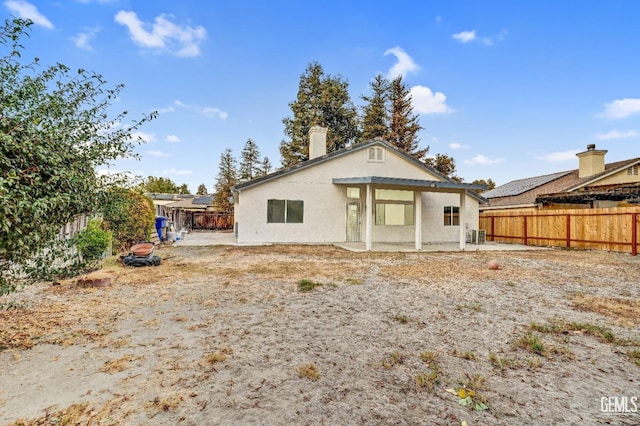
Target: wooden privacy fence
[(211, 221), (613, 229)]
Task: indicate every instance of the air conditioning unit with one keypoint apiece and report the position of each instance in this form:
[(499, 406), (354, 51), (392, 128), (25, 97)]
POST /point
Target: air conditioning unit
[(471, 236), (481, 236)]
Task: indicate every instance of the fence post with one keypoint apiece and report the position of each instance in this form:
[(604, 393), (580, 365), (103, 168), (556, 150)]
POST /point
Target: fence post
[(526, 241), (568, 230), (493, 228), (634, 234)]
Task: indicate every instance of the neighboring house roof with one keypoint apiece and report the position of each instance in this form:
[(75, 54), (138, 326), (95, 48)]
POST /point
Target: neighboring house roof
[(570, 181), (517, 187), (186, 203), (203, 199), (353, 148)]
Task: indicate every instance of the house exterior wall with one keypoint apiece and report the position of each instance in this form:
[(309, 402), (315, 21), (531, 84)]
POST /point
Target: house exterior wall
[(325, 203), (618, 178)]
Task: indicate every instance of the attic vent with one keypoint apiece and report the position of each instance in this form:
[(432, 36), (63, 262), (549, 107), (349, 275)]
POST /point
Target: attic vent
[(375, 154)]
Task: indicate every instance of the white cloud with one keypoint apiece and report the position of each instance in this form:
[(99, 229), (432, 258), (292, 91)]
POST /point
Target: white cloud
[(147, 137), (456, 145), (483, 160), (164, 35), (177, 172), (165, 110), (158, 154), (404, 65), (426, 102), (615, 134), (621, 108), (558, 157), (206, 111), (465, 36), (172, 138), (26, 10), (214, 112), (83, 39), (469, 36)]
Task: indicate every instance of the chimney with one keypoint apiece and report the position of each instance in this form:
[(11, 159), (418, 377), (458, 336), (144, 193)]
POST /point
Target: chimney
[(591, 161), (317, 142)]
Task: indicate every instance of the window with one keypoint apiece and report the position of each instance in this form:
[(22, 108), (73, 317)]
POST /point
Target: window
[(285, 211), (451, 216), (632, 170), (394, 207), (375, 154), (353, 192)]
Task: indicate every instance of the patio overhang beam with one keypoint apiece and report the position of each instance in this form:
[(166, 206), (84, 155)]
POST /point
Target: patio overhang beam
[(413, 184)]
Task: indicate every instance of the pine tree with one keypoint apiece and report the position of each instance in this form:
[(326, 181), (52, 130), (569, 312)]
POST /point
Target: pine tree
[(183, 189), (265, 167), (250, 161), (202, 189), (375, 120), (227, 179), (322, 100), (445, 165), (404, 127)]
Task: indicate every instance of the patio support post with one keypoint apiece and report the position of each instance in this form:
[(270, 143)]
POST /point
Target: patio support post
[(417, 223), (461, 219), (367, 222)]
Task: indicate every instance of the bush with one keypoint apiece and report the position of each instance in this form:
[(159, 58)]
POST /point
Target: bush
[(130, 216), (92, 241)]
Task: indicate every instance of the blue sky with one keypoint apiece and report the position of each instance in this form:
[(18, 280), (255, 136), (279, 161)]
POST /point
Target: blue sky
[(510, 89)]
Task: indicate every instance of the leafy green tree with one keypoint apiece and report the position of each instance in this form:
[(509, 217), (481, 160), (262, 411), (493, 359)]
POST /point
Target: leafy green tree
[(183, 189), (404, 125), (129, 216), (376, 111), (160, 185), (489, 183), (227, 179), (445, 165), (249, 161), (202, 189), (55, 129), (322, 100)]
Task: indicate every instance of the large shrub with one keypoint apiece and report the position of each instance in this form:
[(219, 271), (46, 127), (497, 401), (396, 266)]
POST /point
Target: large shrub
[(92, 241), (130, 217)]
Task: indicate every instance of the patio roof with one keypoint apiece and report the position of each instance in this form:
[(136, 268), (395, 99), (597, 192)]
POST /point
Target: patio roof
[(430, 185)]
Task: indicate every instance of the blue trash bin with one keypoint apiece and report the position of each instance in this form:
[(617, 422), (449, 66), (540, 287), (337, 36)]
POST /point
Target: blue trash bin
[(161, 222)]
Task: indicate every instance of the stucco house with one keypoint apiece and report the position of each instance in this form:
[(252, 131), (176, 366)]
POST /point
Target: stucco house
[(370, 192), (594, 184)]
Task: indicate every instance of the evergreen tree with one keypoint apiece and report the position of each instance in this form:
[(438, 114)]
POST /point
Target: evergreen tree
[(250, 161), (375, 120), (227, 179), (322, 100), (202, 189), (404, 126), (445, 165), (265, 167), (489, 183)]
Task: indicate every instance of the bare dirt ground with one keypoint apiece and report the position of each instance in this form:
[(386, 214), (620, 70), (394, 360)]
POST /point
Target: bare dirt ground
[(226, 335)]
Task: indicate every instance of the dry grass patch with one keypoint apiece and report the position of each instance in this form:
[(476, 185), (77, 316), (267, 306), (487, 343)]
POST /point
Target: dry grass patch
[(118, 365), (308, 371), (627, 311), (165, 403), (76, 414)]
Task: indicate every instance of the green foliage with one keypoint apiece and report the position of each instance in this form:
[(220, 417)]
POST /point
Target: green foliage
[(489, 183), (227, 179), (307, 285), (249, 161), (184, 189), (54, 131), (202, 189), (130, 216), (265, 166), (376, 111), (322, 100), (404, 125), (445, 165), (161, 185), (92, 241)]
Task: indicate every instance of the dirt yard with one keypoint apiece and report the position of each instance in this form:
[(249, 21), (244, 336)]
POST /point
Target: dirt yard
[(320, 336)]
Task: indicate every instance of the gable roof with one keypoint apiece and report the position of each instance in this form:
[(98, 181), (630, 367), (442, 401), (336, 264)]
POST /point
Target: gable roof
[(517, 187), (342, 152), (520, 186)]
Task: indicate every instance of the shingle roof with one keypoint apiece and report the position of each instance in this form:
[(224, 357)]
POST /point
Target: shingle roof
[(517, 187), (203, 199)]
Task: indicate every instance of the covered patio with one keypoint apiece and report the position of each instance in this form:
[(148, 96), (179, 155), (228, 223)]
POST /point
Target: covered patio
[(417, 186)]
